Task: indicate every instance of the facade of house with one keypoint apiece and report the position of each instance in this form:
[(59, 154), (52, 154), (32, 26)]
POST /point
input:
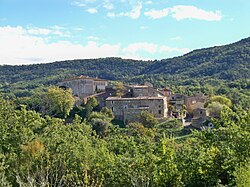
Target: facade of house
[(84, 86), (144, 91), (177, 101), (200, 116), (137, 99), (193, 102), (128, 109)]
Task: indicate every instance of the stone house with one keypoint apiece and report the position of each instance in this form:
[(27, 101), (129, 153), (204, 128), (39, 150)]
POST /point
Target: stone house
[(200, 116), (193, 102), (128, 109), (177, 101), (138, 98), (84, 86), (166, 92), (143, 91)]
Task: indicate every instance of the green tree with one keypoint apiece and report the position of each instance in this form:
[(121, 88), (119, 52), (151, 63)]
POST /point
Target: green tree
[(242, 175), (147, 119), (119, 87), (220, 99), (57, 102), (89, 106), (101, 121)]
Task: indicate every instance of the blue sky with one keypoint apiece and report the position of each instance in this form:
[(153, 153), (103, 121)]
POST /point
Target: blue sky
[(39, 31)]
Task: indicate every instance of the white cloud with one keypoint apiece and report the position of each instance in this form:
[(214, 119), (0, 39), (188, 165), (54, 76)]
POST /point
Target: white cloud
[(168, 49), (107, 5), (143, 27), (78, 3), (111, 15), (55, 30), (156, 14), (78, 29), (134, 13), (149, 2), (95, 38), (57, 27), (181, 12), (92, 10), (39, 31), (90, 1), (140, 46), (176, 38), (19, 46)]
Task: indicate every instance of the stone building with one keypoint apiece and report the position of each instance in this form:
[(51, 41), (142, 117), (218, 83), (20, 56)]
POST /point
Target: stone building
[(138, 98), (84, 86), (128, 109), (166, 92), (144, 91), (193, 102), (177, 103), (200, 116), (177, 100)]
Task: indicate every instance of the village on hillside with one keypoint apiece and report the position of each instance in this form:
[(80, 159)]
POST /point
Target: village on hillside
[(128, 101)]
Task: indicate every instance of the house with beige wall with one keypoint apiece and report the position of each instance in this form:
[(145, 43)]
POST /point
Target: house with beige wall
[(128, 109), (137, 99), (193, 102), (200, 116), (84, 86)]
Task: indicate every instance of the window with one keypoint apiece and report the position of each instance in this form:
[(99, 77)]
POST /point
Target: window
[(200, 112), (112, 109), (159, 106), (138, 90), (112, 102), (159, 111)]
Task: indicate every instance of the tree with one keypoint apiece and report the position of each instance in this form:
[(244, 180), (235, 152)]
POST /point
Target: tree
[(216, 104), (147, 119), (220, 99), (108, 112), (89, 106), (101, 121), (119, 88), (57, 102), (242, 175), (215, 109)]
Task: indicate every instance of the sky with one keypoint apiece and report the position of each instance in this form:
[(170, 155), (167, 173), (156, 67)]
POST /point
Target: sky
[(42, 31)]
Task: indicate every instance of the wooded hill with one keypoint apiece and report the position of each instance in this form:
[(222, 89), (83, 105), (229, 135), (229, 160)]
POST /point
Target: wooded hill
[(229, 62)]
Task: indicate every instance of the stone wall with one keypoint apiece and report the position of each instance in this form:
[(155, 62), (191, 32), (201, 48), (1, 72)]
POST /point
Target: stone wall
[(193, 102), (128, 108), (84, 86)]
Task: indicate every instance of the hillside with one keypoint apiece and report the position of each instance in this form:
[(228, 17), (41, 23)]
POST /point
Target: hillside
[(228, 62), (225, 63)]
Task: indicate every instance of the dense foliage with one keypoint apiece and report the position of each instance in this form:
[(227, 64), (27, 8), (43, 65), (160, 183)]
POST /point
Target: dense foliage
[(45, 151)]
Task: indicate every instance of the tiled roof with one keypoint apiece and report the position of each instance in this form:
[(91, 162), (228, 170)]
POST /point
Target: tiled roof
[(132, 98), (83, 78)]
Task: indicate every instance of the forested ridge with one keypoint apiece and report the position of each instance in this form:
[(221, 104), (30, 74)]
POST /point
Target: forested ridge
[(227, 62)]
